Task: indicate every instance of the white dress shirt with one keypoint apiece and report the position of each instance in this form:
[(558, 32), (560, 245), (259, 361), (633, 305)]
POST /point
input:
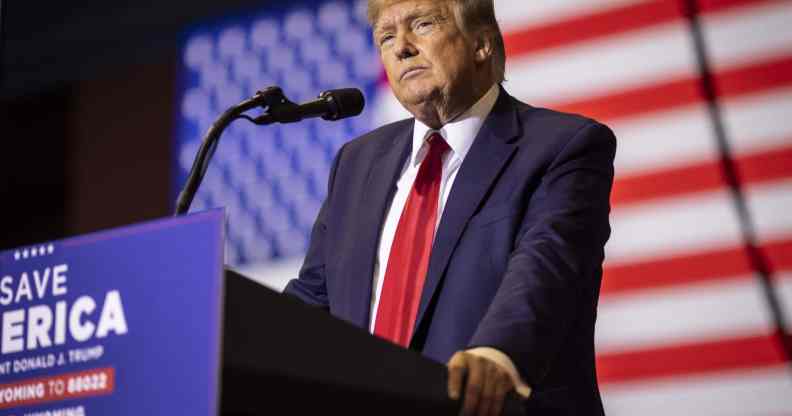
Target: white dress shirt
[(459, 134)]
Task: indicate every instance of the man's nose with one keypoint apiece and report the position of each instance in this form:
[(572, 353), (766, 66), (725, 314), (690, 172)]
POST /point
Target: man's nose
[(405, 48)]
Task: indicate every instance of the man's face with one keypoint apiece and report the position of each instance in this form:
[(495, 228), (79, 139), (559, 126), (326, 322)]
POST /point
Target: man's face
[(426, 57)]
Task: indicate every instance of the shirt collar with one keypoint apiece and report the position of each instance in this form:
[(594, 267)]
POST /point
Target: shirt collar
[(459, 133)]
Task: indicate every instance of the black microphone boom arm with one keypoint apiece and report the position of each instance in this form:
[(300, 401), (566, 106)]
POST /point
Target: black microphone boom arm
[(268, 97), (331, 105)]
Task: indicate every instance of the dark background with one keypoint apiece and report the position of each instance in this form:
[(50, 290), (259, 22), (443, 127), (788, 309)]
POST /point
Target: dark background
[(79, 152)]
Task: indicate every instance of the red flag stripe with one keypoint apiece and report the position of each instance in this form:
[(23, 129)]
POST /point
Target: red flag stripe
[(699, 177), (692, 267), (591, 26), (687, 359), (731, 82)]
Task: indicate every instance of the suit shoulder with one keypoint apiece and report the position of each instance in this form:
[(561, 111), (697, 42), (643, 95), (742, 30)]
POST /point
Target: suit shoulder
[(558, 124), (550, 118)]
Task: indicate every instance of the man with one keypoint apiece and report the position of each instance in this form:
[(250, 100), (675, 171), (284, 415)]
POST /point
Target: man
[(474, 232)]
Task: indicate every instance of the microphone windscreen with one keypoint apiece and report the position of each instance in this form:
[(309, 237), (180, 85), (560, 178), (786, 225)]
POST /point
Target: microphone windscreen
[(347, 102)]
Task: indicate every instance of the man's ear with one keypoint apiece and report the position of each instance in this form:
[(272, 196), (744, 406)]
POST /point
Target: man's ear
[(483, 45)]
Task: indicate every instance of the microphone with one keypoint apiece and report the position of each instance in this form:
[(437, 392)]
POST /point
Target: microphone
[(331, 105)]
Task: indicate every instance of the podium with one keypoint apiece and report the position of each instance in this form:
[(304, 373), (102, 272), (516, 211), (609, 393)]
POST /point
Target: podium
[(312, 362), (146, 319)]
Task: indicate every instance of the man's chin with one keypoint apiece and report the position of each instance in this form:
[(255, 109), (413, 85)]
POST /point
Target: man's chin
[(419, 97)]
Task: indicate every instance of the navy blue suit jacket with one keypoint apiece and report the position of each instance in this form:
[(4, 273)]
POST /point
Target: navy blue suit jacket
[(517, 257)]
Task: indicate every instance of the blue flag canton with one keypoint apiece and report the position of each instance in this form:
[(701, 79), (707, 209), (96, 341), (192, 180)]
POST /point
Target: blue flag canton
[(273, 179)]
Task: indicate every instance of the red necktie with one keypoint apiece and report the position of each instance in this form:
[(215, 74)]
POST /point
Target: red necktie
[(412, 245)]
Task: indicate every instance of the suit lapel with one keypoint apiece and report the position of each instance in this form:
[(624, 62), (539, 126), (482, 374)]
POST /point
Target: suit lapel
[(384, 171), (486, 159)]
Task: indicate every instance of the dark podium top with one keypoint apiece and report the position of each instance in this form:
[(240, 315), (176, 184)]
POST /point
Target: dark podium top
[(282, 355)]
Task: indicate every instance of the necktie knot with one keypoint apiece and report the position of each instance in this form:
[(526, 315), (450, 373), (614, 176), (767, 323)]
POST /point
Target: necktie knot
[(431, 170), (437, 144)]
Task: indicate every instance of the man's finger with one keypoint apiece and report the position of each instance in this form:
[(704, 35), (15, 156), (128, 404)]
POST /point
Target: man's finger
[(457, 366), (503, 384), (488, 396), (475, 382)]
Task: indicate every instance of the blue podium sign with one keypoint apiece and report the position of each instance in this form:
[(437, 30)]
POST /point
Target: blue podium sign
[(121, 322)]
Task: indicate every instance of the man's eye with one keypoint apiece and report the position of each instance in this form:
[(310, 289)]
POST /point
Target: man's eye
[(386, 39), (423, 25)]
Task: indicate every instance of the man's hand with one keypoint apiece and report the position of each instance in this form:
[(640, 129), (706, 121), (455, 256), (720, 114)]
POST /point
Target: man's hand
[(487, 383)]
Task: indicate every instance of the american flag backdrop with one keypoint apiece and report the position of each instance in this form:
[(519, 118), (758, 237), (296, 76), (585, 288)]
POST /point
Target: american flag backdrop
[(699, 94)]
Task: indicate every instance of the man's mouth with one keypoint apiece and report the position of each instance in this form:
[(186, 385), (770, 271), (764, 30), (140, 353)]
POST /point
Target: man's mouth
[(412, 72)]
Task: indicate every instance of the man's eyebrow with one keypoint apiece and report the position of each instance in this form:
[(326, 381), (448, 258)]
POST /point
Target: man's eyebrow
[(408, 17)]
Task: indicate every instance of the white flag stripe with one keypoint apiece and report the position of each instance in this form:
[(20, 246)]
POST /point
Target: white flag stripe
[(770, 205), (684, 135), (686, 314), (696, 222), (745, 35), (758, 121), (662, 140), (761, 392), (513, 15), (673, 226), (598, 67)]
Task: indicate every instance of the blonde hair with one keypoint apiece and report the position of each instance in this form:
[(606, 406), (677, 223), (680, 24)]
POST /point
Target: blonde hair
[(472, 15)]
